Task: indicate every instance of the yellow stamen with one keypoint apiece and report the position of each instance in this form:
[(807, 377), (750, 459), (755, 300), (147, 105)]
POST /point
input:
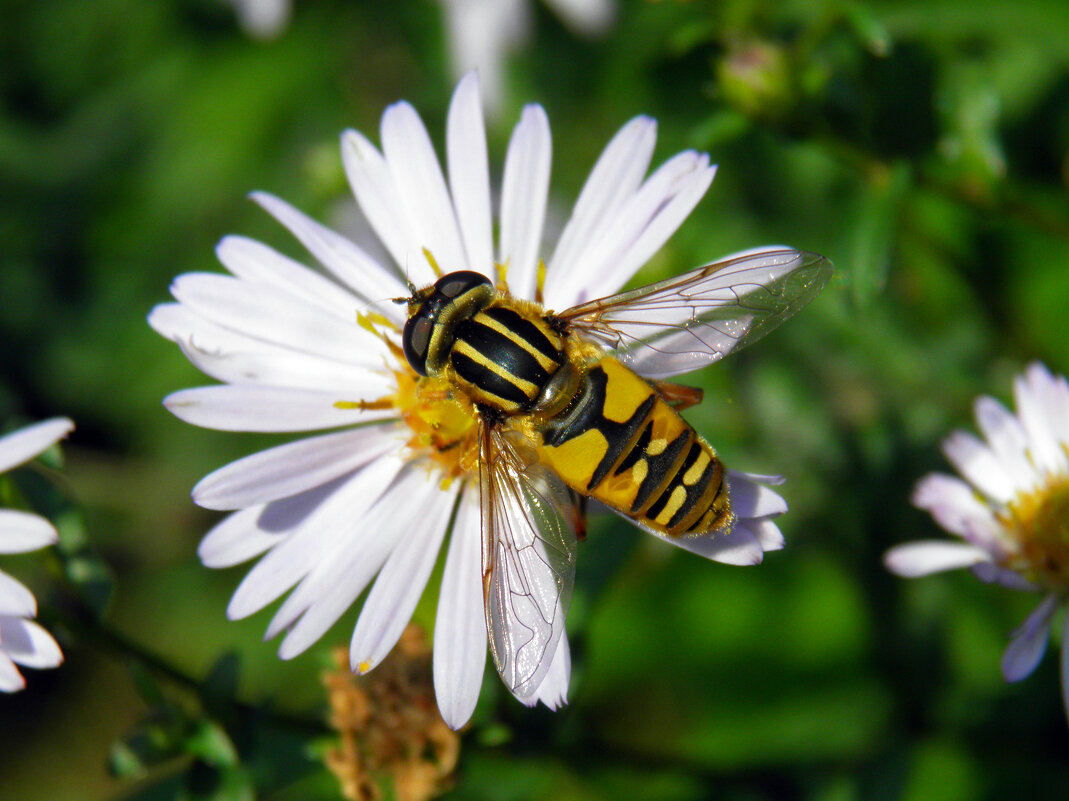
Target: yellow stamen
[(444, 426), (431, 260), (1038, 522), (540, 282), (502, 269), (368, 321), (362, 405)]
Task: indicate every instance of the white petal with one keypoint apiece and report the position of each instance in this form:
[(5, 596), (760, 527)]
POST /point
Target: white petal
[(737, 547), (954, 506), (750, 499), (22, 445), (617, 174), (587, 17), (373, 185), (15, 599), (932, 556), (990, 573), (760, 478), (1058, 409), (11, 680), (523, 199), (237, 538), (292, 468), (237, 358), (316, 539), (268, 313), (553, 691), (1008, 442), (28, 644), (646, 223), (263, 19), (469, 174), (767, 533), (257, 263), (361, 273), (460, 625), (358, 553), (21, 532), (181, 324), (266, 409), (420, 186), (975, 461), (1031, 392), (1029, 642), (401, 582), (271, 365)]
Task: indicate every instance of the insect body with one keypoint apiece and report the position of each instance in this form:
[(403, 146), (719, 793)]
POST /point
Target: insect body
[(602, 429), (621, 443), (571, 404)]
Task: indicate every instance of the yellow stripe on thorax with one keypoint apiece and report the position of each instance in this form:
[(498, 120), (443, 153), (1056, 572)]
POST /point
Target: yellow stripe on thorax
[(528, 388), (545, 362)]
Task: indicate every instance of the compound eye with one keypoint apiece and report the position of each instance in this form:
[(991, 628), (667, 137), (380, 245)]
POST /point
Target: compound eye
[(456, 284), (416, 341)]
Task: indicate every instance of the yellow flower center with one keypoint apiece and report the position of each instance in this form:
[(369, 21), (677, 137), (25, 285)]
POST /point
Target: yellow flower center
[(445, 427), (1038, 522)]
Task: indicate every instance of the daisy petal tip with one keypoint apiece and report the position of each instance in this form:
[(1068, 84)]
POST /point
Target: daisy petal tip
[(915, 559), (261, 198), (456, 713), (535, 114), (363, 667), (355, 145), (469, 83), (236, 609), (555, 703), (13, 683), (286, 649)]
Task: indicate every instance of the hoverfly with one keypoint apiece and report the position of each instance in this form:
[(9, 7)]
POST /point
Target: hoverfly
[(571, 405)]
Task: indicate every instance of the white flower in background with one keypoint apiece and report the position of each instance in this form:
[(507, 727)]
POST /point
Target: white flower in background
[(22, 641), (482, 32), (263, 19), (1011, 511), (327, 513)]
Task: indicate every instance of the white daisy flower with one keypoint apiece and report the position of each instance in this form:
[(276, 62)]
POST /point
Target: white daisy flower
[(22, 641), (1011, 511), (374, 497), (481, 34), (263, 19)]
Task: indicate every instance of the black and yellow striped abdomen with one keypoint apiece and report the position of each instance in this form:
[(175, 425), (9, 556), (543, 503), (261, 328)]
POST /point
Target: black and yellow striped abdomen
[(504, 358), (619, 442)]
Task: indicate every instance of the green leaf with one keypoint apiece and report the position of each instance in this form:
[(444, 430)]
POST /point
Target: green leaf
[(220, 686), (874, 231), (211, 783), (124, 761), (93, 579), (871, 31), (209, 742), (146, 685)]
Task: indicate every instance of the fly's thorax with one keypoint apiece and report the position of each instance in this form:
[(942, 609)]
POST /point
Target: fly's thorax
[(506, 355), (621, 443)]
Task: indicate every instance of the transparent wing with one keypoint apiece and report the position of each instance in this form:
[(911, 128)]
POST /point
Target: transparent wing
[(694, 319), (529, 549)]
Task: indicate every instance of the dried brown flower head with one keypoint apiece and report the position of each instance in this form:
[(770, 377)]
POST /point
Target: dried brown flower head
[(391, 730)]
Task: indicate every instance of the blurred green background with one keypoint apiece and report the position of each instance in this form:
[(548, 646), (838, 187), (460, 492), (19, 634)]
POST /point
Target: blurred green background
[(922, 146)]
